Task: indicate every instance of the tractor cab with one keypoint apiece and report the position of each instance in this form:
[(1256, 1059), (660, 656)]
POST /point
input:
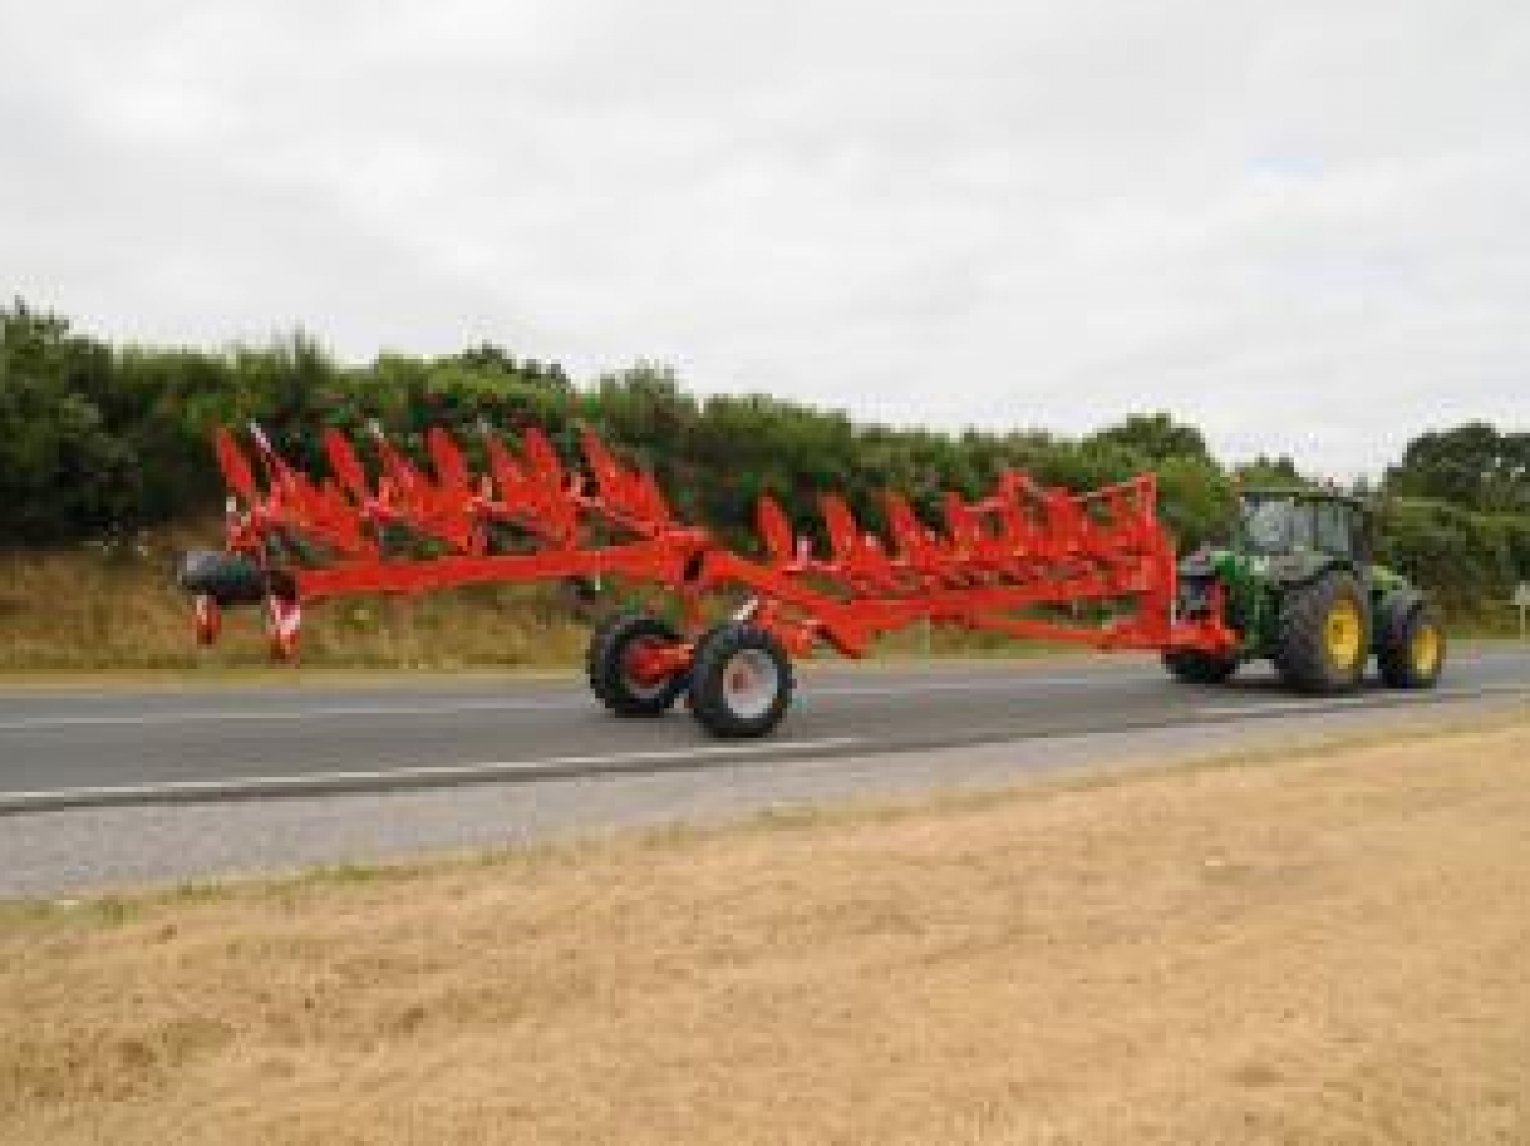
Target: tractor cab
[(1303, 522)]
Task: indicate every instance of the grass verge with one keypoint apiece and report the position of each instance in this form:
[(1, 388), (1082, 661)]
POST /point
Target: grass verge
[(1328, 948), (83, 611), (87, 611)]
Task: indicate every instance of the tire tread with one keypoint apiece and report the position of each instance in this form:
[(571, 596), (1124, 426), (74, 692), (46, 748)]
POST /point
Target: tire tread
[(1301, 654)]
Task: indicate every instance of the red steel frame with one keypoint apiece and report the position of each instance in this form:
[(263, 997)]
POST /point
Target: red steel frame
[(1020, 548)]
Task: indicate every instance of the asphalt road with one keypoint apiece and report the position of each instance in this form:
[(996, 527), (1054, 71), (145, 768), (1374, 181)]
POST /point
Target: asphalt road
[(112, 789), (73, 748)]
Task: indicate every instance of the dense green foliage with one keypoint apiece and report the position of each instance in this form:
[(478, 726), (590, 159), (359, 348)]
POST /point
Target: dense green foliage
[(1473, 466), (96, 440)]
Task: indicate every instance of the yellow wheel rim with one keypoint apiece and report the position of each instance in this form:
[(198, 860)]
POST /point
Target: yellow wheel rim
[(1343, 633), (1425, 649)]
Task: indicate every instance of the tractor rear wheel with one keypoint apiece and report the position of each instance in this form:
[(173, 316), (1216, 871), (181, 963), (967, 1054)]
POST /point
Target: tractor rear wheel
[(613, 664), (1196, 667), (741, 681), (1410, 647), (1321, 645)]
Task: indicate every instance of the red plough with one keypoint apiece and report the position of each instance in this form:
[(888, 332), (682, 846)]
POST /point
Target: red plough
[(1024, 561)]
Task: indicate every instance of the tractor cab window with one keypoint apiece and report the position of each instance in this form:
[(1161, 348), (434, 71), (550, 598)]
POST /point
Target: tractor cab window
[(1334, 532), (1303, 526), (1275, 525), (1268, 524)]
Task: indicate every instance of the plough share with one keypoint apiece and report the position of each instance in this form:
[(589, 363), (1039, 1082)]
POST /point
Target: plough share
[(1024, 561)]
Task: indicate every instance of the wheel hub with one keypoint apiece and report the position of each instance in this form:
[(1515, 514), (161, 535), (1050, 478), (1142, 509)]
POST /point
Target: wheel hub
[(751, 682), (1425, 649), (646, 667), (1343, 633)]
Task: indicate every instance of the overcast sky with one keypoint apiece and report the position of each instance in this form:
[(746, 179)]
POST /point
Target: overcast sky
[(1305, 226)]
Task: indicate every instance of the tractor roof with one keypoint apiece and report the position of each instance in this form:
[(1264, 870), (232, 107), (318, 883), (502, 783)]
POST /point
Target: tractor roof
[(1303, 493)]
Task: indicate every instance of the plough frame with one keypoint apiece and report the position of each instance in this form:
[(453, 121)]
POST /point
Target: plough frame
[(992, 565)]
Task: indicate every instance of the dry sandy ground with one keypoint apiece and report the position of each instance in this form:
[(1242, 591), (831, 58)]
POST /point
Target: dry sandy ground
[(1331, 949)]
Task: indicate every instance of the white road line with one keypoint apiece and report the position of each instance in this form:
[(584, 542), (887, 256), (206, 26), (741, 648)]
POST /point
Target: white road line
[(1316, 704), (260, 784), (28, 723), (1011, 684), (509, 704), (1321, 704)]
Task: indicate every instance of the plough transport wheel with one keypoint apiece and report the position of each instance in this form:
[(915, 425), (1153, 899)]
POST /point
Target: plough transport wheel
[(741, 681), (617, 665)]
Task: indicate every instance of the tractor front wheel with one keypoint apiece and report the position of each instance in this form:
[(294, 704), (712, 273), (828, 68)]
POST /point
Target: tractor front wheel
[(1323, 628), (1196, 667), (615, 665), (741, 681), (1410, 648)]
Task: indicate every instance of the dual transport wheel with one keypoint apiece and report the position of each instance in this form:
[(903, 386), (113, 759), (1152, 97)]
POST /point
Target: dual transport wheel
[(737, 680)]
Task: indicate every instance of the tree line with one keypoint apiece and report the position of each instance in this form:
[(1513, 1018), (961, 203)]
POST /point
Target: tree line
[(99, 440)]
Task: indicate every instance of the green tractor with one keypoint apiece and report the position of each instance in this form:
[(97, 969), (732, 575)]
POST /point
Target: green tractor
[(1298, 587)]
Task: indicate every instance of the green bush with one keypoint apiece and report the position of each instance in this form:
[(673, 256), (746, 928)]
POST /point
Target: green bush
[(97, 440), (1471, 560)]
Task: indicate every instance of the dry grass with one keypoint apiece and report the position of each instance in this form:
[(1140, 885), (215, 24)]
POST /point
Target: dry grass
[(1330, 949), (83, 610)]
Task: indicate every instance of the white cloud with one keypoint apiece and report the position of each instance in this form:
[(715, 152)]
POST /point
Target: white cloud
[(1303, 226)]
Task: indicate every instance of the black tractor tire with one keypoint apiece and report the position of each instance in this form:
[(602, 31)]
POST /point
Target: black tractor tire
[(1311, 655), (741, 682), (1410, 641), (606, 665), (1196, 667)]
